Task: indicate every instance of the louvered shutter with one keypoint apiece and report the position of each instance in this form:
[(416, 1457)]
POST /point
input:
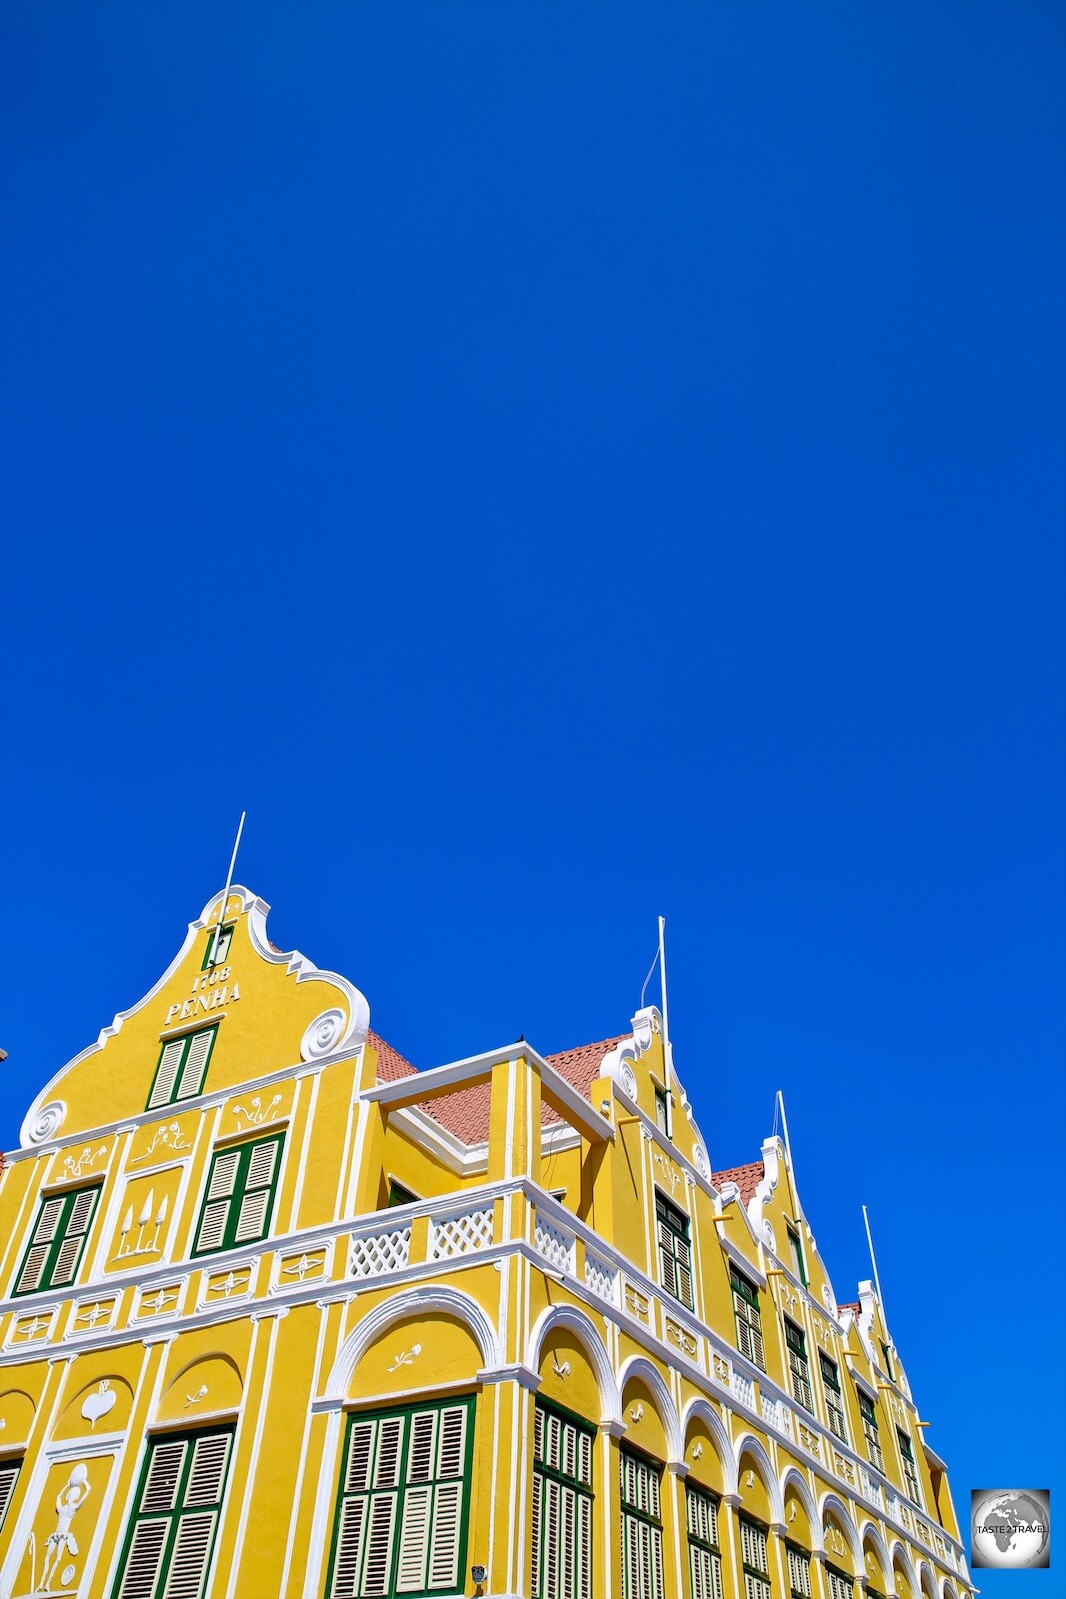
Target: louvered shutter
[(40, 1246), (251, 1218), (216, 1208), (448, 1500), (74, 1237), (684, 1272), (799, 1574), (839, 1587), (144, 1560), (166, 1074), (192, 1073), (9, 1471)]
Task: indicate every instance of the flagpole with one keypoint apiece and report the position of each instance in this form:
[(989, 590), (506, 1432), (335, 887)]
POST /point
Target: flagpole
[(225, 891)]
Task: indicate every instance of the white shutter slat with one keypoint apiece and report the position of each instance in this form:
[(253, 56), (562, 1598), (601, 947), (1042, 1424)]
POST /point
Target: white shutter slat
[(387, 1464), (414, 1540), (223, 1175), (209, 1460), (444, 1543), (8, 1473), (377, 1569), (32, 1269), (261, 1166), (144, 1560), (351, 1540), (359, 1451), (538, 1498), (251, 1218), (422, 1447), (212, 1226), (187, 1567), (192, 1072), (163, 1087), (66, 1261), (48, 1221), (584, 1533), (452, 1441), (164, 1474)]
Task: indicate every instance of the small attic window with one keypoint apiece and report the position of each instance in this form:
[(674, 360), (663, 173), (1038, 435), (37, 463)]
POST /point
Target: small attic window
[(662, 1110), (217, 947), (799, 1265)]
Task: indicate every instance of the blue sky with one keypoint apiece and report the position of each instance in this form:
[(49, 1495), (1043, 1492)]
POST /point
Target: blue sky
[(556, 465)]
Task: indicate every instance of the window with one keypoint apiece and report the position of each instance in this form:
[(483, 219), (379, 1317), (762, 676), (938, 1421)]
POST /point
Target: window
[(217, 948), (910, 1469), (179, 1504), (886, 1351), (662, 1110), (9, 1470), (562, 1506), (240, 1195), (675, 1253), (833, 1399), (869, 1429), (799, 1573), (839, 1586), (795, 1249), (399, 1195), (798, 1370), (182, 1068), (401, 1512), (749, 1322), (642, 1528), (57, 1241), (756, 1561), (705, 1563)]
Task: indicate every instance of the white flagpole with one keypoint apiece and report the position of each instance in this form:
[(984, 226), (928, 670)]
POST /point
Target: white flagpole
[(667, 1056), (873, 1261), (229, 880)]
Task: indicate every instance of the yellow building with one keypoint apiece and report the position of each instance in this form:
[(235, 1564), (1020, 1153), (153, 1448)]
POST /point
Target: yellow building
[(284, 1317)]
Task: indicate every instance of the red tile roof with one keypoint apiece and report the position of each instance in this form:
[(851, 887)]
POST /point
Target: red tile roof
[(465, 1113), (856, 1307), (747, 1179)]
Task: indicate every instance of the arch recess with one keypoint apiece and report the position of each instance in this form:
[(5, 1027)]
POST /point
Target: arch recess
[(584, 1330), (870, 1533), (792, 1477), (702, 1410), (927, 1581), (749, 1444), (638, 1366), (414, 1302), (832, 1504), (900, 1555)]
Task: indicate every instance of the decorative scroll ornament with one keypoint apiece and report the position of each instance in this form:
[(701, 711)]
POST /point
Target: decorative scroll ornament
[(75, 1165), (561, 1368), (171, 1136), (324, 1035), (47, 1122), (629, 1081), (257, 1113), (637, 1412), (703, 1165), (194, 1399)]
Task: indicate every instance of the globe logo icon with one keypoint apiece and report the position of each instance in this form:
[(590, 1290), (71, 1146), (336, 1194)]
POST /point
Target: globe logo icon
[(1010, 1528)]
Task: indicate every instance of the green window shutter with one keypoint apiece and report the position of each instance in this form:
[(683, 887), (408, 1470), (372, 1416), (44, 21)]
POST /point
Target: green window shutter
[(562, 1506), (401, 1516), (182, 1068), (9, 1470), (799, 1574), (705, 1565), (675, 1252), (753, 1553), (797, 1365), (169, 1544), (642, 1533), (240, 1195), (748, 1318), (57, 1241)]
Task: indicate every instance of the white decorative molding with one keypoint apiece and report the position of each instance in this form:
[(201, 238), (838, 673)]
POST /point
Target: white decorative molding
[(99, 1403), (76, 1165), (617, 1063), (43, 1122), (257, 1112), (323, 1035), (170, 1136), (406, 1357)]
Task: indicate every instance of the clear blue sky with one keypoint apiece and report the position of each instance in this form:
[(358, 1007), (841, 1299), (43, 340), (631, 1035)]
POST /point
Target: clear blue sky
[(555, 465)]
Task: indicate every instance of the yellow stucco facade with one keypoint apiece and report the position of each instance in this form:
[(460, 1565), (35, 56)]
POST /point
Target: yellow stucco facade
[(283, 1317)]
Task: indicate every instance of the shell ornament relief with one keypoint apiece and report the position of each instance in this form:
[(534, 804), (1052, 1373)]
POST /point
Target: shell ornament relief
[(323, 1035), (47, 1122)]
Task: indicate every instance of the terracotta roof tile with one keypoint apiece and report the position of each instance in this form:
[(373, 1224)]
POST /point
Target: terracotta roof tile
[(465, 1113), (856, 1307), (747, 1179)]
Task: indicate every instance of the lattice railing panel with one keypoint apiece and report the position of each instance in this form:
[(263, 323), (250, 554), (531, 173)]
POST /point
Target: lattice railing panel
[(377, 1253), (460, 1235), (601, 1278), (554, 1244)]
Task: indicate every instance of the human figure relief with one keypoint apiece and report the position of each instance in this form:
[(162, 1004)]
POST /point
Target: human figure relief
[(69, 1500)]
